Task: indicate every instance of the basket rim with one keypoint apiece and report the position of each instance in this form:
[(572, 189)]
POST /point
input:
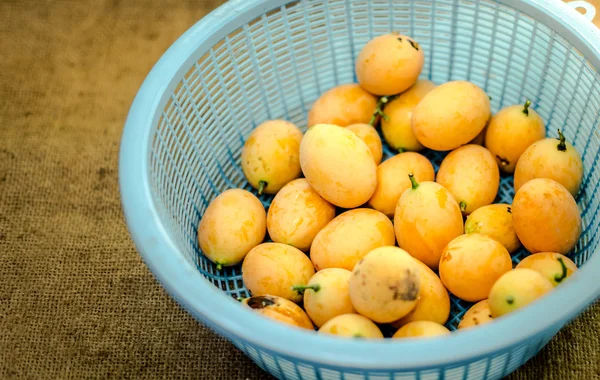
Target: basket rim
[(213, 307)]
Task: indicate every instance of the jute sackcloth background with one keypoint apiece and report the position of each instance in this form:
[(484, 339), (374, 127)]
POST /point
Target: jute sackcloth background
[(76, 301)]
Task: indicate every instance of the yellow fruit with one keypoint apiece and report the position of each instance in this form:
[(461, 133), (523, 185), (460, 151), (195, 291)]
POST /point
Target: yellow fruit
[(274, 268), (369, 136), (338, 165), (351, 326), (471, 264), (555, 159), (389, 64), (470, 173), (326, 295), (233, 223), (546, 217), (343, 105), (554, 266), (451, 115), (279, 309), (478, 314), (392, 179), (297, 214), (426, 219), (349, 237), (385, 284), (396, 127), (495, 221), (270, 157), (434, 302), (511, 131), (516, 289), (421, 329)]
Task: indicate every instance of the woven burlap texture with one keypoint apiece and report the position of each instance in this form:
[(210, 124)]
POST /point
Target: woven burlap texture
[(76, 301)]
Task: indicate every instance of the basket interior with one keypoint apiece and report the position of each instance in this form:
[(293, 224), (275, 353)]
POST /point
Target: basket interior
[(278, 64)]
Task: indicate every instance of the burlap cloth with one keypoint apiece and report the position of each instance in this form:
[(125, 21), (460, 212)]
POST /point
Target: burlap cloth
[(76, 301)]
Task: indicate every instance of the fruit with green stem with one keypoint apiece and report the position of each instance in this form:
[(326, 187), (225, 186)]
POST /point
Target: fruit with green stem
[(327, 295), (511, 131), (270, 156), (426, 219), (470, 173), (274, 268), (554, 266), (551, 158), (392, 179)]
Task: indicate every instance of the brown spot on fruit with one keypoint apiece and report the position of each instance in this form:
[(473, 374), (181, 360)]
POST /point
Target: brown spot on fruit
[(406, 289), (260, 302)]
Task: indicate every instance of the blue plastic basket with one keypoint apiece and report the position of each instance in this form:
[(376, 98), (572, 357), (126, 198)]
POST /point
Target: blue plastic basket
[(253, 60)]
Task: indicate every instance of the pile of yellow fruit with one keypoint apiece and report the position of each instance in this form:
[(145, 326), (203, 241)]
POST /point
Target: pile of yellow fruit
[(344, 273)]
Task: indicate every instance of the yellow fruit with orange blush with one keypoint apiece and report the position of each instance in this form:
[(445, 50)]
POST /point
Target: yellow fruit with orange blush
[(233, 223), (511, 131), (327, 295), (546, 217), (451, 115), (351, 326), (369, 136), (297, 214), (555, 159), (338, 165), (470, 173), (343, 105), (495, 221), (274, 269), (349, 237), (471, 264), (396, 126), (426, 219), (393, 180), (389, 64), (270, 156)]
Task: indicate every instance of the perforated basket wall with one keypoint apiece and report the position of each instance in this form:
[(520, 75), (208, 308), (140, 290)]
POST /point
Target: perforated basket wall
[(276, 65)]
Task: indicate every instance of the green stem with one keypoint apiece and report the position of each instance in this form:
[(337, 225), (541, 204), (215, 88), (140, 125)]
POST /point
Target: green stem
[(463, 206), (302, 288), (526, 107), (379, 109), (414, 182), (261, 187), (558, 278), (562, 146), (401, 150), (219, 266)]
